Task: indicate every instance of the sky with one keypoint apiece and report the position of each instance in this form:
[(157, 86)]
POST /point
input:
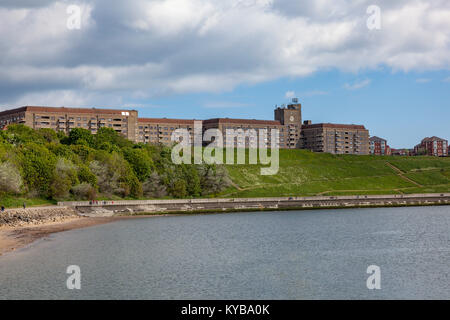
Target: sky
[(386, 67)]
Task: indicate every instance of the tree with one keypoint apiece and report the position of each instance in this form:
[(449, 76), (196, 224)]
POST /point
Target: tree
[(10, 179), (84, 191), (110, 136), (140, 161), (153, 187), (37, 165), (213, 178), (193, 180), (49, 135), (178, 189), (65, 176), (86, 175), (80, 136)]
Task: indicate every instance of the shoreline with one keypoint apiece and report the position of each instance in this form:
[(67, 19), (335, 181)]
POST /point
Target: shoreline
[(13, 238), (16, 237)]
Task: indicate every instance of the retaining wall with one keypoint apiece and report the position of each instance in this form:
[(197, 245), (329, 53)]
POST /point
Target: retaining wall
[(106, 208)]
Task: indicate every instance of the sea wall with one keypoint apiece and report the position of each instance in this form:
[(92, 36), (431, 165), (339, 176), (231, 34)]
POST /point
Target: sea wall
[(37, 215), (108, 208)]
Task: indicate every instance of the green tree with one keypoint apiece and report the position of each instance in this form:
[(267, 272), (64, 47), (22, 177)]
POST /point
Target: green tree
[(178, 189), (140, 161), (80, 136), (37, 164), (65, 176)]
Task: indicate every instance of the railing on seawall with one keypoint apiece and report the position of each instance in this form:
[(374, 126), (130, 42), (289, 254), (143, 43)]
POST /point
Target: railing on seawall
[(101, 203)]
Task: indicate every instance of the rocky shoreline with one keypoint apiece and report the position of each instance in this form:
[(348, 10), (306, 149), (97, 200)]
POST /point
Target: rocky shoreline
[(35, 216)]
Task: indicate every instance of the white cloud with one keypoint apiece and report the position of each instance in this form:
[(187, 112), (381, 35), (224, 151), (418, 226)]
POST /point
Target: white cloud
[(289, 94), (423, 80), (151, 48), (357, 85)]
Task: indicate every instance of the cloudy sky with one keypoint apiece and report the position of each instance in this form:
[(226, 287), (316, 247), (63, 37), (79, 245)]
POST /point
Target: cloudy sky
[(236, 58)]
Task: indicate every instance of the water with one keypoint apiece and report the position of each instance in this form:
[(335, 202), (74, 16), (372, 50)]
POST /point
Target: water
[(319, 254)]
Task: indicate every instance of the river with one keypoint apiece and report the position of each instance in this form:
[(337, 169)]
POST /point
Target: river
[(316, 254)]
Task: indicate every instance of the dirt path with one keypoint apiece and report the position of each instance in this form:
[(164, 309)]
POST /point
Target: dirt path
[(400, 174)]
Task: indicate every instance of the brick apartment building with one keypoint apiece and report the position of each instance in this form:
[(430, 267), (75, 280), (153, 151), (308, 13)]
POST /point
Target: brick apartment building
[(335, 138), (64, 119), (379, 147), (159, 130), (433, 146), (222, 124)]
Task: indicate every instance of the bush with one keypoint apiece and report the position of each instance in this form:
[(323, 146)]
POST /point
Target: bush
[(178, 189), (37, 164), (84, 191), (10, 179), (153, 187), (86, 175), (213, 179), (140, 161), (65, 176)]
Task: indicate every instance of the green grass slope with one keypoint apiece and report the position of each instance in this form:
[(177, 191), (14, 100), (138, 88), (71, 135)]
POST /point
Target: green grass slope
[(305, 173)]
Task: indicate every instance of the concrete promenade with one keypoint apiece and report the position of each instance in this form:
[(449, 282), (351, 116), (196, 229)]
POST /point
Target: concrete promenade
[(108, 208)]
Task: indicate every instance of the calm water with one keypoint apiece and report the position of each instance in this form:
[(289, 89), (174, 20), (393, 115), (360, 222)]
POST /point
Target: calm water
[(270, 255)]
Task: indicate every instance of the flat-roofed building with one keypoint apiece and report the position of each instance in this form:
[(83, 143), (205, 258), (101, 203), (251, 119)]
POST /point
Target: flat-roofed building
[(322, 137), (159, 130), (65, 119), (335, 138), (224, 124), (432, 146), (379, 147)]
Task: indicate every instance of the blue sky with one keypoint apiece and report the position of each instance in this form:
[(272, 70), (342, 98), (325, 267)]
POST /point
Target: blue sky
[(235, 58)]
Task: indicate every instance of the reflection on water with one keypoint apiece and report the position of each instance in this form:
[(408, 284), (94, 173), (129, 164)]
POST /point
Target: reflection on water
[(319, 254)]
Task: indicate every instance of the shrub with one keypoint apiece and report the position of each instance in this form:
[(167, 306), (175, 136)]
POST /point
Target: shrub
[(153, 187), (84, 191), (10, 179), (140, 161), (37, 164), (65, 176), (213, 179), (178, 189)]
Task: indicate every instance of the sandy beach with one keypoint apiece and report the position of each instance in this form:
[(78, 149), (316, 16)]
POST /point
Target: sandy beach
[(13, 238)]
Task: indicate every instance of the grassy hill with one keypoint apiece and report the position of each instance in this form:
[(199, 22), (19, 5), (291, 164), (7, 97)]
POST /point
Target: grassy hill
[(305, 173)]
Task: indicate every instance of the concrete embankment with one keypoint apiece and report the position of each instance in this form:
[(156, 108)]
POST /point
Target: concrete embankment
[(37, 215), (109, 208)]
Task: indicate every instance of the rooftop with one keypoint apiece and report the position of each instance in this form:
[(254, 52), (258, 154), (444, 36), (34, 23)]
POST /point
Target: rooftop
[(243, 121), (62, 110), (333, 125)]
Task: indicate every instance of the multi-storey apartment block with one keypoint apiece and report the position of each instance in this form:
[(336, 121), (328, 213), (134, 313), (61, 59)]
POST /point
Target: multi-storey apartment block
[(246, 125), (65, 119), (323, 137), (379, 147), (335, 138), (433, 146), (157, 130)]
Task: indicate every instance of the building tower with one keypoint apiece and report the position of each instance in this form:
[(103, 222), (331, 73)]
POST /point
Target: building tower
[(291, 118)]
